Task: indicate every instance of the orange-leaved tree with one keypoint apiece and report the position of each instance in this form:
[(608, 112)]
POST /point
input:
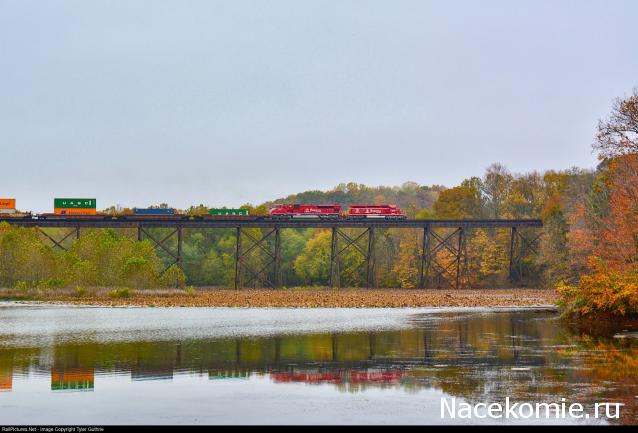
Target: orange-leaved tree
[(610, 233)]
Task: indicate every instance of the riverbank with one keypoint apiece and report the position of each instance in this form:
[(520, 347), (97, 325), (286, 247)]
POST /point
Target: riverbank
[(298, 298)]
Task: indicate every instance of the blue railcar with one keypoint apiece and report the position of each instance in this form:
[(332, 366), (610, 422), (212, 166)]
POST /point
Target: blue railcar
[(149, 211)]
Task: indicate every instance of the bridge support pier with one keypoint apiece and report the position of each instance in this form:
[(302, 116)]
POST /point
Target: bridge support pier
[(59, 243), (443, 259), (367, 252), (519, 246), (370, 282), (424, 264), (237, 258), (334, 260), (178, 259), (162, 243), (259, 273)]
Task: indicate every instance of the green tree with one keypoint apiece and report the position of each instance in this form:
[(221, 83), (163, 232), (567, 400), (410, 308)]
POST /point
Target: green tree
[(460, 202)]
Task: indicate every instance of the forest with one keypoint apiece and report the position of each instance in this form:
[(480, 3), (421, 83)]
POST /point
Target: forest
[(588, 248)]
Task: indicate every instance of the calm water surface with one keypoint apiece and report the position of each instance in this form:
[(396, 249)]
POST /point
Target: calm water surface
[(73, 365)]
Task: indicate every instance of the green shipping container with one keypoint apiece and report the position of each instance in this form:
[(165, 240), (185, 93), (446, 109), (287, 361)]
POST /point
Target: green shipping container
[(228, 211), (77, 203)]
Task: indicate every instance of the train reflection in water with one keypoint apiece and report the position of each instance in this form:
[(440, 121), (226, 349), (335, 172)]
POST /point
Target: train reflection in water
[(526, 355)]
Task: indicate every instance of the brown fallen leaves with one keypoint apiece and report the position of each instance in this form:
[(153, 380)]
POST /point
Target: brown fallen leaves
[(322, 298)]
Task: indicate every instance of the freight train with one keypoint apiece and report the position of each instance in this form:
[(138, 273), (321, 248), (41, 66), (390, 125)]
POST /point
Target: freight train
[(85, 209)]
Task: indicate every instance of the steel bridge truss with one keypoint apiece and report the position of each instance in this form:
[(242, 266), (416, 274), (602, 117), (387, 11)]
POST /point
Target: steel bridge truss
[(352, 242), (163, 243), (520, 246), (443, 258), (449, 271), (58, 243), (268, 273), (142, 233)]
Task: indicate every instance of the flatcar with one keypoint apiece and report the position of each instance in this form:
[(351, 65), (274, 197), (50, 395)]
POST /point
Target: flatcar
[(230, 214), (153, 211), (227, 212), (75, 216), (371, 211), (15, 215), (311, 211)]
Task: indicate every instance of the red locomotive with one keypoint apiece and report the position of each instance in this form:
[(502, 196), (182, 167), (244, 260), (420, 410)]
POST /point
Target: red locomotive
[(385, 211), (322, 211)]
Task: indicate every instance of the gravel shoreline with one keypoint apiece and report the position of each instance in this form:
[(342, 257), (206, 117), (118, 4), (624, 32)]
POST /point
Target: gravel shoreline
[(310, 298)]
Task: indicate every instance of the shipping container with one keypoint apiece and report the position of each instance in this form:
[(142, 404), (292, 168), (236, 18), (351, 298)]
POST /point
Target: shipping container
[(150, 211), (77, 203), (72, 379), (6, 381), (228, 211), (74, 211), (7, 203)]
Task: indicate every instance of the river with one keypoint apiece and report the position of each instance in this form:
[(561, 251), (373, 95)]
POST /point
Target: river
[(91, 365)]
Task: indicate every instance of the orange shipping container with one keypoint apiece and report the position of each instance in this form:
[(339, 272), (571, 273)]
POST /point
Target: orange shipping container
[(6, 381), (7, 203), (74, 211)]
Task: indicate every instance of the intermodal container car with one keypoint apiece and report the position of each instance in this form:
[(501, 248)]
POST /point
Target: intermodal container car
[(150, 211), (321, 211), (385, 211), (76, 203), (219, 211), (8, 203)]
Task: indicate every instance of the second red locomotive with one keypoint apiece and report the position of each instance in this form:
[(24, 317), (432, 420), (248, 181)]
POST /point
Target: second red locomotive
[(385, 211)]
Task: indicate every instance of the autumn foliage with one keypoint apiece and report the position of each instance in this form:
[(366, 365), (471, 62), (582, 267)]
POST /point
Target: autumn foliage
[(606, 226)]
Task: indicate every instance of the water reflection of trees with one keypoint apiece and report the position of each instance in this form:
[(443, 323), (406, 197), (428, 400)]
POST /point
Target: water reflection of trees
[(482, 358)]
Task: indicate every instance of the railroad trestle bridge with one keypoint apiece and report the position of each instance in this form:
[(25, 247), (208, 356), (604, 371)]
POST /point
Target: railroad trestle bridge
[(436, 235)]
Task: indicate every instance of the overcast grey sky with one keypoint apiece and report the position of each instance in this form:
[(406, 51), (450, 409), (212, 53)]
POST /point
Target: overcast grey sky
[(226, 102)]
